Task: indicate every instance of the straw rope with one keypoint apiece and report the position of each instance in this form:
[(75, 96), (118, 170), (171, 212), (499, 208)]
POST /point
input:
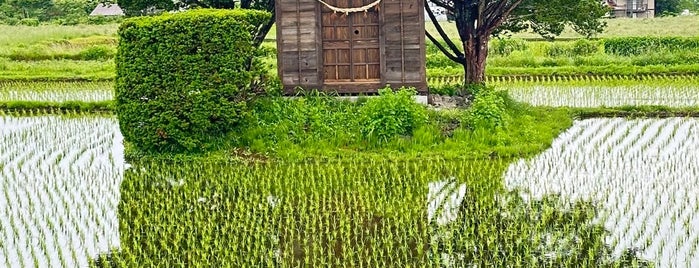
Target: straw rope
[(351, 9)]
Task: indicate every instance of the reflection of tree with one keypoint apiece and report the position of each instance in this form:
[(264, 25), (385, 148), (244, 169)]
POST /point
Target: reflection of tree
[(507, 231)]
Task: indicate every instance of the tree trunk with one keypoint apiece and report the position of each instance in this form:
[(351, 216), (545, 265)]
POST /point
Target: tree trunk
[(476, 52), (474, 37)]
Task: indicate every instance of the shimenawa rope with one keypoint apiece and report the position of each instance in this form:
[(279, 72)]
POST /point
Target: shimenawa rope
[(351, 9)]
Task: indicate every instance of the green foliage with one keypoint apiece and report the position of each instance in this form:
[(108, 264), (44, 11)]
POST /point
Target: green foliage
[(55, 70), (558, 50), (24, 9), (96, 53), (29, 22), (667, 7), (505, 46), (313, 119), (692, 5), (49, 107), (585, 47), (576, 49), (89, 48), (391, 114), (629, 46), (488, 110), (149, 7), (141, 7), (184, 80), (317, 126), (10, 21), (451, 89), (545, 17), (549, 18), (636, 112), (62, 12)]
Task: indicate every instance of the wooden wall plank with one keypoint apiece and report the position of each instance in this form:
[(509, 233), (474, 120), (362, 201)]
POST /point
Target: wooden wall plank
[(305, 38), (297, 42)]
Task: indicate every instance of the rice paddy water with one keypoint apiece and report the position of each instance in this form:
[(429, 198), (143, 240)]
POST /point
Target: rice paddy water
[(59, 189), (643, 174)]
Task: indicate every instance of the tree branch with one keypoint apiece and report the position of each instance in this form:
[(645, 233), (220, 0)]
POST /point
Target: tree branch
[(441, 32), (441, 4), (456, 58), (505, 13)]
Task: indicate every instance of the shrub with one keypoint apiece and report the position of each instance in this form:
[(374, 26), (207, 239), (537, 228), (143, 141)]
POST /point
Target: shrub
[(584, 47), (184, 80), (558, 50), (309, 119), (10, 21), (96, 53), (627, 46), (450, 89), (391, 114), (29, 22), (488, 109), (505, 47)]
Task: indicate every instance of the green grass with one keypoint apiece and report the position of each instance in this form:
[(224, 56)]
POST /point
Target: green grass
[(56, 70), (83, 48), (26, 35), (326, 128)]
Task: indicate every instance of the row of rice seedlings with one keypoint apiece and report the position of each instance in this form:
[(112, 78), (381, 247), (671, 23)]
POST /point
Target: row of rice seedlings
[(90, 91), (686, 95), (46, 111), (357, 213), (642, 173), (539, 79), (59, 189)]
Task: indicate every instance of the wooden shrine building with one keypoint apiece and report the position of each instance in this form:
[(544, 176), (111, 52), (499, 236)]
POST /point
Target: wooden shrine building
[(351, 46)]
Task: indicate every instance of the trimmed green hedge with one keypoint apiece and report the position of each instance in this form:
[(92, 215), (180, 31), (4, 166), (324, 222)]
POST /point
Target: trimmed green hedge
[(183, 80), (628, 46)]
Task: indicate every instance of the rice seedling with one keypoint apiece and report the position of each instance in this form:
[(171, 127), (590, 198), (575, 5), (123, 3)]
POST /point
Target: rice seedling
[(595, 91), (55, 172), (344, 214), (639, 175), (56, 91), (605, 96)]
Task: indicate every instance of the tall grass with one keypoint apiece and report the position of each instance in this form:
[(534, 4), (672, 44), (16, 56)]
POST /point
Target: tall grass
[(26, 35)]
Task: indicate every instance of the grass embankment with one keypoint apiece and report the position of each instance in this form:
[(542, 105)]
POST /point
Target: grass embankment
[(50, 107), (57, 53), (322, 127)]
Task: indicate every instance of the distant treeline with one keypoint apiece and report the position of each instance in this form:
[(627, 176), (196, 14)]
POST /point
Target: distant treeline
[(35, 12)]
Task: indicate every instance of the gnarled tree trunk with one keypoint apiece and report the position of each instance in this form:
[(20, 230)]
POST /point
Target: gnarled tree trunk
[(474, 36), (476, 51)]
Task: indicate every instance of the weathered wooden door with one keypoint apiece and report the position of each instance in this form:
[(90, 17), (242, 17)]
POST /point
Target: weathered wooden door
[(351, 47)]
